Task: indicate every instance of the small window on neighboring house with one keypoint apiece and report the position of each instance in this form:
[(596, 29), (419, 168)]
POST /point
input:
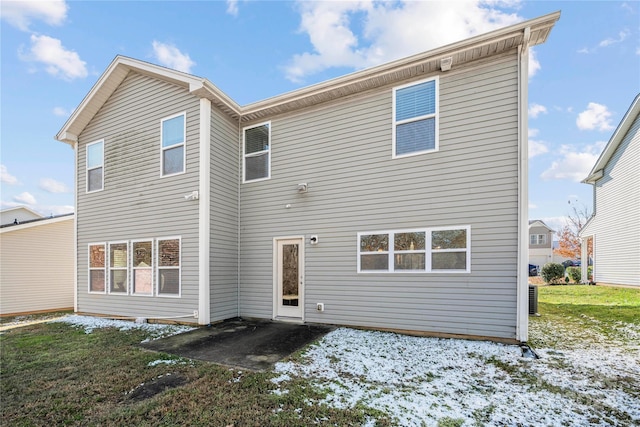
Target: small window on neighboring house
[(168, 281), (118, 268), (95, 166), (257, 152), (173, 145), (142, 267), (97, 266), (538, 239), (415, 118)]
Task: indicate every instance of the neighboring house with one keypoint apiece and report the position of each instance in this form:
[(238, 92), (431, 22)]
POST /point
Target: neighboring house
[(394, 197), (540, 243), (37, 265), (18, 215), (615, 224)]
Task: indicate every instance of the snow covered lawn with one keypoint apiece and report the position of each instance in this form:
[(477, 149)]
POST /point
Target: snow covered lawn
[(430, 381)]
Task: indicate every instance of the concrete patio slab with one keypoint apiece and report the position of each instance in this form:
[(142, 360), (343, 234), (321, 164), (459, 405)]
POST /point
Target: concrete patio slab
[(247, 344)]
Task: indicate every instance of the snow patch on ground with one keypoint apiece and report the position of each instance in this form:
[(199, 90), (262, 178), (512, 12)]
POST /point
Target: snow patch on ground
[(423, 380), (154, 330)]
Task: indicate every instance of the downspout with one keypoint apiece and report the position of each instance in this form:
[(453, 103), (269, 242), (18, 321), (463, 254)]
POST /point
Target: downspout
[(522, 295), (204, 215), (75, 228), (239, 181)]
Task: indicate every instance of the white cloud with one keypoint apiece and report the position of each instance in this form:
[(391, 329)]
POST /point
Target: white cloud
[(170, 56), (532, 206), (536, 109), (56, 209), (232, 7), (59, 61), (25, 198), (21, 13), (534, 64), (6, 177), (596, 116), (60, 111), (532, 132), (556, 223), (390, 30), (536, 148), (573, 165), (53, 186), (622, 35)]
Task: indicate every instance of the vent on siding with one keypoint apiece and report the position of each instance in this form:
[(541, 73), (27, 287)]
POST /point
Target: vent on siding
[(533, 300)]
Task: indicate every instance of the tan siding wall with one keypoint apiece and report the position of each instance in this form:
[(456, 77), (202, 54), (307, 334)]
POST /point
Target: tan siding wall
[(617, 222), (224, 217), (343, 152), (137, 203), (36, 267)]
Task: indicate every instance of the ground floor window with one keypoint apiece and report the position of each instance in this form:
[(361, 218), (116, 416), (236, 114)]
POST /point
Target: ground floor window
[(97, 265), (429, 250), (141, 267), (169, 267)]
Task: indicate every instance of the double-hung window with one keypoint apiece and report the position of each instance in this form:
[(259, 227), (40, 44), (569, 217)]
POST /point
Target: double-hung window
[(168, 281), (95, 166), (415, 118), (172, 149), (538, 239), (429, 250), (142, 266), (118, 268), (97, 266), (257, 152)]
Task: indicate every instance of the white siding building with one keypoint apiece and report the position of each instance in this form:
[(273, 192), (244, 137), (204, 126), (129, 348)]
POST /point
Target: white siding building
[(615, 224)]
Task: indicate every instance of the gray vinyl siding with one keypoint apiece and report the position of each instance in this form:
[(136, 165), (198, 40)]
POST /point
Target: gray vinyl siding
[(344, 152), (224, 217), (137, 203), (616, 225)]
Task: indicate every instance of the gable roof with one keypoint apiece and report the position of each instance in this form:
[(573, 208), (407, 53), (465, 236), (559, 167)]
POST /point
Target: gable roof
[(621, 131), (527, 33), (539, 223)]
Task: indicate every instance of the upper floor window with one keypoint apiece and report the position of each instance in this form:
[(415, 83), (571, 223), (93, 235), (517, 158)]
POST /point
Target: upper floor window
[(538, 239), (415, 118), (431, 250), (173, 144), (257, 152), (95, 166)]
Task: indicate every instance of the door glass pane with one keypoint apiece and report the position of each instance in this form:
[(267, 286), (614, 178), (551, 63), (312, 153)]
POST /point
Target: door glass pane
[(290, 275)]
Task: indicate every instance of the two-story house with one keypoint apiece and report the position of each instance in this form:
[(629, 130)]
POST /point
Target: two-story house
[(393, 198), (614, 227), (540, 243)]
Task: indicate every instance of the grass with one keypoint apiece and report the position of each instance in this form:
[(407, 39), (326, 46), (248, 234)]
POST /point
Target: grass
[(55, 374)]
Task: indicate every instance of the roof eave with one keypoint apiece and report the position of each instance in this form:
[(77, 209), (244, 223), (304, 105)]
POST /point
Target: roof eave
[(597, 171)]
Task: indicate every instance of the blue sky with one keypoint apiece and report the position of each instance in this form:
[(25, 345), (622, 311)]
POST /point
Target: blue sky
[(52, 53)]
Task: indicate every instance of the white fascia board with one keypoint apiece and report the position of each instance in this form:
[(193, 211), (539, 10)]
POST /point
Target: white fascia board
[(37, 223), (617, 137)]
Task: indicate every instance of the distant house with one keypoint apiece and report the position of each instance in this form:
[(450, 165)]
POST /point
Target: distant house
[(394, 197), (37, 265), (18, 215), (540, 243), (615, 224)]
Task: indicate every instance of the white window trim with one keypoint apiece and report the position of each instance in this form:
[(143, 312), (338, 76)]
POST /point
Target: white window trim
[(427, 251), (183, 143), (540, 239), (158, 268), (87, 168), (134, 268), (104, 269), (109, 268), (244, 155), (414, 119)]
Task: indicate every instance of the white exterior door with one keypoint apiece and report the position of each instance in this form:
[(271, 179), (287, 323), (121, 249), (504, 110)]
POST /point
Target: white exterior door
[(289, 275)]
